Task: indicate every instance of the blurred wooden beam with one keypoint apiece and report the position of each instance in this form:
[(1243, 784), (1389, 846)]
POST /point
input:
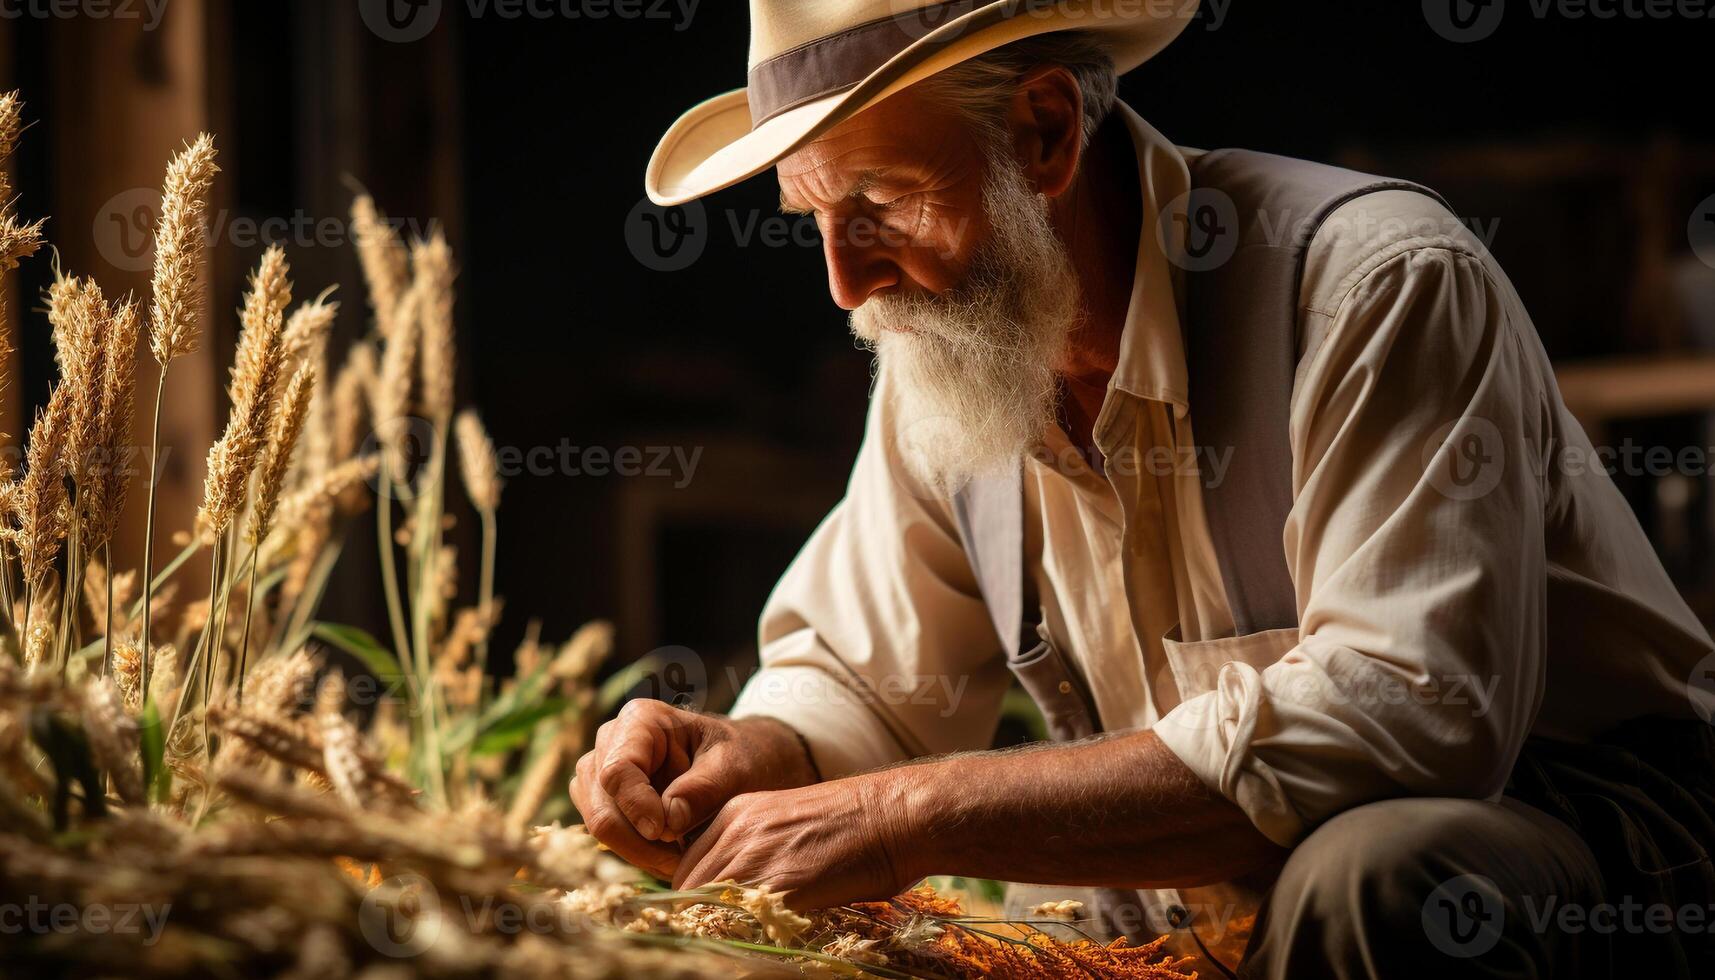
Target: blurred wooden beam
[(1606, 390)]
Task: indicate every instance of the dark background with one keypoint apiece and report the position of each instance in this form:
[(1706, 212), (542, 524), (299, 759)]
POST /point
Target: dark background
[(1589, 141)]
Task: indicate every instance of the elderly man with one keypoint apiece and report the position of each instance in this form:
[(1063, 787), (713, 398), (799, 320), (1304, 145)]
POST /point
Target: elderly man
[(1252, 472)]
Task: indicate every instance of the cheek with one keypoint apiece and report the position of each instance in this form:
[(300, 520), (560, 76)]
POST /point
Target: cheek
[(941, 252)]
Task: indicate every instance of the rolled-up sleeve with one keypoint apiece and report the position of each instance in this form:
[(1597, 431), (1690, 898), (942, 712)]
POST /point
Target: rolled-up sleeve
[(1416, 546), (876, 645)]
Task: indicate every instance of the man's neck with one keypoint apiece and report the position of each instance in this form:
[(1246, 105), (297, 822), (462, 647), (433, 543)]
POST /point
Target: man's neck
[(1100, 219)]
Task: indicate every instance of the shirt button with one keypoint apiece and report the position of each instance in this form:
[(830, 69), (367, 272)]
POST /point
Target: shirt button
[(1065, 687)]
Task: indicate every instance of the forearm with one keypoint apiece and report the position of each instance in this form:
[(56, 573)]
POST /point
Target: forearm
[(1118, 811)]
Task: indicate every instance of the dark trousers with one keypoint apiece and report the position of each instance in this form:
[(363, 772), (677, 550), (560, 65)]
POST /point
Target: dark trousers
[(1596, 864)]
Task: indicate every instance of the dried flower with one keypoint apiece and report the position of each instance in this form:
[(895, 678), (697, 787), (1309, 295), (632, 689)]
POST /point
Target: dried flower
[(382, 255), (309, 326), (255, 376), (112, 473), (432, 268), (477, 462), (113, 738), (179, 244), (42, 493), (391, 407), (782, 925), (278, 455)]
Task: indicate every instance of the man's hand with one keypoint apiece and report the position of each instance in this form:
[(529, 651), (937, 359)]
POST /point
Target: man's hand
[(828, 844), (657, 771)]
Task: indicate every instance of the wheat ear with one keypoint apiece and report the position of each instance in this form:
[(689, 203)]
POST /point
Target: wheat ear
[(287, 427), (176, 306), (481, 471)]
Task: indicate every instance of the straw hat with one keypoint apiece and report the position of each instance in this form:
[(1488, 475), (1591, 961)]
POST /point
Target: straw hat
[(815, 63)]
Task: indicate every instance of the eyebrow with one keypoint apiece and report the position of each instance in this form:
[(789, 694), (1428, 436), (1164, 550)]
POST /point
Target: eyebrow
[(866, 182)]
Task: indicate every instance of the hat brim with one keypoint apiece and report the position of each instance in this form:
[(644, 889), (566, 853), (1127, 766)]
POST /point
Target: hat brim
[(713, 145)]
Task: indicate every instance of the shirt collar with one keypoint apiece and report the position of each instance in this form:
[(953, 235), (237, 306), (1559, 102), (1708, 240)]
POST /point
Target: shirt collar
[(1152, 348)]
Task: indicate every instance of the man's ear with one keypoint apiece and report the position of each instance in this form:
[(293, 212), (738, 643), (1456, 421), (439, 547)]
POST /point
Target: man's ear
[(1047, 122)]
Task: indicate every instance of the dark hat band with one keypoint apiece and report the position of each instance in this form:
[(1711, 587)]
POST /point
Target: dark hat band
[(829, 64)]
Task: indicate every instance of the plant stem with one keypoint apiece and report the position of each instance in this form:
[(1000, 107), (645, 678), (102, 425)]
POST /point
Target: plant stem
[(29, 607), (70, 587), (249, 611), (149, 531), (107, 651), (228, 545), (427, 543), (486, 596), (6, 598), (188, 684), (315, 586), (389, 571)]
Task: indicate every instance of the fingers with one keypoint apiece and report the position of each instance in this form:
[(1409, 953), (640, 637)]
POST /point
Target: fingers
[(709, 853), (639, 747), (696, 796), (604, 821)]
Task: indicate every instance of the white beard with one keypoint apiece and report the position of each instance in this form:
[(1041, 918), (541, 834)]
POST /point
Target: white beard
[(972, 370)]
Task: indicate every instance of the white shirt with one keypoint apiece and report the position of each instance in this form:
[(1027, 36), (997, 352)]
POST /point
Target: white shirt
[(1466, 574)]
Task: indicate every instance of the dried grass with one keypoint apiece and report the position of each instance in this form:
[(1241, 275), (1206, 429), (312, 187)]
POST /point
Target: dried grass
[(274, 822)]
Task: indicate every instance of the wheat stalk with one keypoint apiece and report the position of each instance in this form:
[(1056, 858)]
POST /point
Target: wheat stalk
[(481, 471), (231, 460), (175, 310), (382, 254), (432, 267), (179, 245), (18, 239), (41, 499), (255, 376), (287, 427)]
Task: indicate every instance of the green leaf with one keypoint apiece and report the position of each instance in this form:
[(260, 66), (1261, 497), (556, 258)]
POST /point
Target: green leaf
[(514, 730), (157, 778), (615, 688), (528, 692), (360, 644), (166, 573)]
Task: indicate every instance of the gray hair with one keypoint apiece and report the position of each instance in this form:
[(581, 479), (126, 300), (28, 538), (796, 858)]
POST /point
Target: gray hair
[(981, 88)]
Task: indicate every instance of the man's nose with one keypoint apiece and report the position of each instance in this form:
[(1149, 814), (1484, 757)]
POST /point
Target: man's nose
[(859, 265)]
